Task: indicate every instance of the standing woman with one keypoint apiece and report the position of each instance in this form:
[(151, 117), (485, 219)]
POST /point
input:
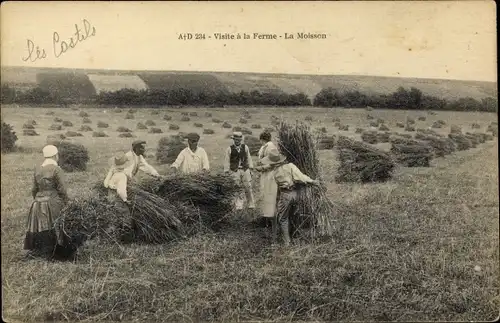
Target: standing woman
[(49, 194), (268, 187), (116, 182)]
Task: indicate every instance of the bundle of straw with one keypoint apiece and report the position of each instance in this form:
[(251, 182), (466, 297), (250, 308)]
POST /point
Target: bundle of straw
[(315, 210), (412, 155), (441, 146), (360, 162), (154, 219), (209, 197), (460, 140)]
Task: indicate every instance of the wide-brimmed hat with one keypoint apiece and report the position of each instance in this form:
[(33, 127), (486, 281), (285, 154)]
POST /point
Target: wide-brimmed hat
[(120, 160), (237, 135), (273, 157), (49, 151)]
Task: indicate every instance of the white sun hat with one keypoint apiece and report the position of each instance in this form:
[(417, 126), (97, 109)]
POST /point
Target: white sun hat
[(49, 151)]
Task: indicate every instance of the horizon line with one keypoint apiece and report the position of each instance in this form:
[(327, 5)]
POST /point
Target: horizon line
[(241, 72)]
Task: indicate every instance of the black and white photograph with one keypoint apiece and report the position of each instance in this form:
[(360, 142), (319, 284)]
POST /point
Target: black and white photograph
[(249, 161)]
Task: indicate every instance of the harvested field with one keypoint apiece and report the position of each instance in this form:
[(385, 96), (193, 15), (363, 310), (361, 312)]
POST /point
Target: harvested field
[(399, 252)]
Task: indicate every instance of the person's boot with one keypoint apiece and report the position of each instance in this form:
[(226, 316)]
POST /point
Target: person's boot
[(286, 233)]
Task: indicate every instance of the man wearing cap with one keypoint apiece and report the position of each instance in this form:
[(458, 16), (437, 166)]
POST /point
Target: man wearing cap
[(238, 162), (192, 159), (286, 176), (138, 162)]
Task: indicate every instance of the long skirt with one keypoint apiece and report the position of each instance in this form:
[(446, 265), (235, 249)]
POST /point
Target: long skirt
[(40, 233), (268, 194)]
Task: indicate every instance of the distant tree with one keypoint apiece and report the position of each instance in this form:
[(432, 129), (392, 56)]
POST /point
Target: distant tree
[(9, 137)]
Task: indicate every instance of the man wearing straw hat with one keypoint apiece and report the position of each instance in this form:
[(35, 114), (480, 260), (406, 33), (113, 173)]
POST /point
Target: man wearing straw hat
[(193, 158), (116, 181), (137, 160), (238, 162), (286, 176)]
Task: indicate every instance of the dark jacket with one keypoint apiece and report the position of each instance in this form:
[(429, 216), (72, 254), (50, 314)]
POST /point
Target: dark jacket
[(235, 158)]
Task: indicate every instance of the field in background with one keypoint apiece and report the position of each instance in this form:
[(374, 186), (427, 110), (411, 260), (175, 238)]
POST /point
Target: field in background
[(22, 78), (403, 250)]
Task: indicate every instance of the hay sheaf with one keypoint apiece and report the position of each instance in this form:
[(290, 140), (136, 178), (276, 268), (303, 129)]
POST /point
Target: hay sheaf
[(315, 210), (99, 134), (28, 126), (85, 128), (96, 217), (169, 148), (210, 198), (360, 162), (441, 146), (155, 130), (207, 131), (30, 132), (73, 134), (411, 153), (55, 127), (101, 124), (72, 156), (370, 137), (325, 142)]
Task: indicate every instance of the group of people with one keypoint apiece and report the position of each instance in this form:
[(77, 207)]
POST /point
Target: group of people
[(277, 184)]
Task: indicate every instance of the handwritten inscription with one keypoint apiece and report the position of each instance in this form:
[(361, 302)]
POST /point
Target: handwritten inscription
[(60, 46)]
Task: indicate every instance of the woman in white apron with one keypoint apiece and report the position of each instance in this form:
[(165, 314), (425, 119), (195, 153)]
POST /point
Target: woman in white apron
[(268, 187)]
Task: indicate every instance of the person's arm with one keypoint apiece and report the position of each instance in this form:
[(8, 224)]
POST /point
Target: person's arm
[(298, 176), (205, 162), (108, 177), (61, 184), (121, 186), (147, 168), (226, 159), (35, 187), (178, 161), (261, 153), (249, 157)]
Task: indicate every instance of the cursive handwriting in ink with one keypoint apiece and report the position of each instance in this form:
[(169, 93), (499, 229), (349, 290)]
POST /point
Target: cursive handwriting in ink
[(61, 47), (39, 54)]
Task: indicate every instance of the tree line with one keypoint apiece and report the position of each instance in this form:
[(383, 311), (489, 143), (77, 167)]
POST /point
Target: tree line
[(402, 98), (412, 99)]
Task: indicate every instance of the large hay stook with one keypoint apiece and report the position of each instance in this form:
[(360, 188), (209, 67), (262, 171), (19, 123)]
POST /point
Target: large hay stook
[(361, 163), (314, 216)]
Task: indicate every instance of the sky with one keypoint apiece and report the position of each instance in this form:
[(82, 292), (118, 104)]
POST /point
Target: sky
[(429, 39)]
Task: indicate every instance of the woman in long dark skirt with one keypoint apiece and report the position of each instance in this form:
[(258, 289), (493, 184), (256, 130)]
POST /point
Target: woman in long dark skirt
[(49, 194)]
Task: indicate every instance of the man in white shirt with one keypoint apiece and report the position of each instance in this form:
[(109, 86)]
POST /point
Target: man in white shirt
[(192, 159), (238, 162), (138, 162)]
